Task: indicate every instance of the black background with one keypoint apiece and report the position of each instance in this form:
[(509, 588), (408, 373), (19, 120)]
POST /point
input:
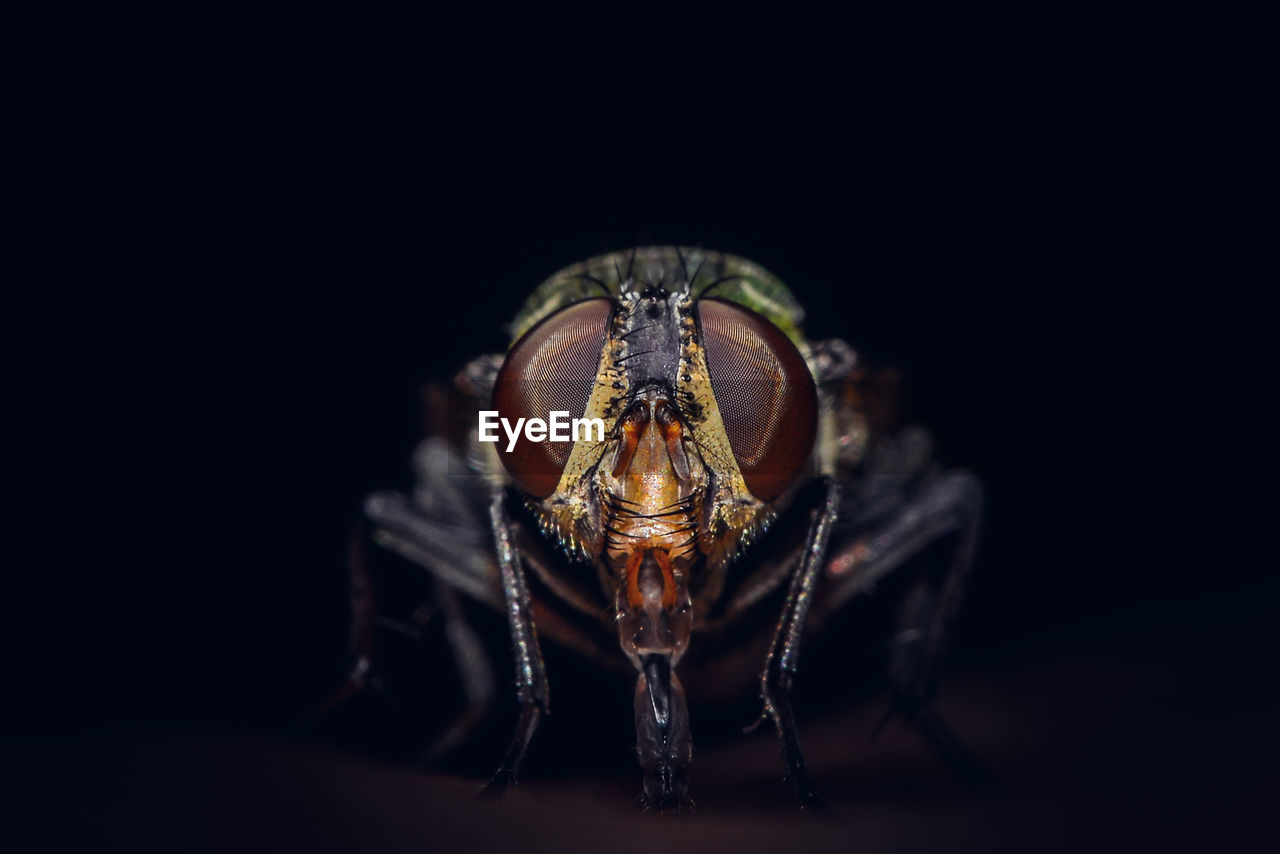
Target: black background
[(1071, 297)]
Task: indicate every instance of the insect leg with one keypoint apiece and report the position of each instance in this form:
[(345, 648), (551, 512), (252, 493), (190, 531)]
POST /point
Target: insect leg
[(445, 528), (450, 552), (780, 666), (531, 675), (924, 629), (361, 634), (474, 668), (946, 504)]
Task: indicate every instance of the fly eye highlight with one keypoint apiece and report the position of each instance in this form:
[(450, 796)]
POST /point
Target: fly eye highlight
[(765, 393), (551, 368)]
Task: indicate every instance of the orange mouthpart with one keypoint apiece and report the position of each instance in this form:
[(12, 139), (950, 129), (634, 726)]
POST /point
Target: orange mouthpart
[(636, 596)]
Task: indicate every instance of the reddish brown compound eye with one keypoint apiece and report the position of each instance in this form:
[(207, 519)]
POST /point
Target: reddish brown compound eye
[(551, 368), (765, 393)]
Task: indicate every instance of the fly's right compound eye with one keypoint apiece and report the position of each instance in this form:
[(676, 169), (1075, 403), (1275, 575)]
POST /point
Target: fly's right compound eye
[(766, 395), (551, 368)]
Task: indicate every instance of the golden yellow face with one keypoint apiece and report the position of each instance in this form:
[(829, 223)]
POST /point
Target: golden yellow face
[(696, 414)]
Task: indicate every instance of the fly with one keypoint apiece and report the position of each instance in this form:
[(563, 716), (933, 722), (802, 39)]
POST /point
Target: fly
[(718, 421)]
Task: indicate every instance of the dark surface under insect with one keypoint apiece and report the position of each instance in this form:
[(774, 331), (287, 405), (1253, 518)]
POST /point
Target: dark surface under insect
[(1138, 747)]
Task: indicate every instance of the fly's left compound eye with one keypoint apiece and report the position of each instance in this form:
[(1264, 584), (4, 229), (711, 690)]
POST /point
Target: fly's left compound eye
[(765, 393), (551, 368)]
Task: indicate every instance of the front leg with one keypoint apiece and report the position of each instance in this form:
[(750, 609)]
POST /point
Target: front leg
[(531, 675), (780, 666)]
